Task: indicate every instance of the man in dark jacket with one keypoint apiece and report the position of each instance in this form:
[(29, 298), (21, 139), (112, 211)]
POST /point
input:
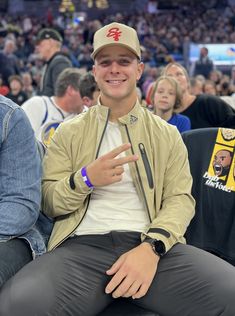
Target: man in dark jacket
[(48, 46), (204, 65)]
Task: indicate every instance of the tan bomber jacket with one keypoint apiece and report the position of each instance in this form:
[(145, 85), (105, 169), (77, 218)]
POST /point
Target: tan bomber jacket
[(161, 174)]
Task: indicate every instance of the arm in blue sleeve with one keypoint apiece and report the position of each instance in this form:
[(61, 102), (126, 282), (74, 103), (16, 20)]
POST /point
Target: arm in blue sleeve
[(20, 174)]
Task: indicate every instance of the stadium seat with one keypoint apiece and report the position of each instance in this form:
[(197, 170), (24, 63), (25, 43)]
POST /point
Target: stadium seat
[(211, 158)]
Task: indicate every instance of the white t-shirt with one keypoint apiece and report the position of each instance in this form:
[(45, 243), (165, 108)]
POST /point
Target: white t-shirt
[(45, 116), (116, 206)]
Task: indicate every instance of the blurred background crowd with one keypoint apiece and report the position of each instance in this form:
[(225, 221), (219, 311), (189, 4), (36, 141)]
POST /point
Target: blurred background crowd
[(179, 31)]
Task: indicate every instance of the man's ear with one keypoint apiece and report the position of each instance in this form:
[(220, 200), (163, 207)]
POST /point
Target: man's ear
[(69, 90), (94, 72), (87, 101), (140, 70)]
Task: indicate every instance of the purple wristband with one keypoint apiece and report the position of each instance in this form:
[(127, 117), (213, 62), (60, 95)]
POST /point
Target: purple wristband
[(85, 178)]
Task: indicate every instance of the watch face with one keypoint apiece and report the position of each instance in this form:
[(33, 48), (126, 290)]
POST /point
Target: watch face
[(159, 247)]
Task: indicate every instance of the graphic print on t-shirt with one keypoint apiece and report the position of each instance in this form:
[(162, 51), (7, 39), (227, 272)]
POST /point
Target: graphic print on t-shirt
[(221, 172), (48, 131)]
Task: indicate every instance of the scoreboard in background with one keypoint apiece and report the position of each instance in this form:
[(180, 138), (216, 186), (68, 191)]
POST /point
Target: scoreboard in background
[(221, 54)]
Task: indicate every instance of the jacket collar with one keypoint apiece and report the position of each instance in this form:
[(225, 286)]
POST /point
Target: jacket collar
[(129, 119)]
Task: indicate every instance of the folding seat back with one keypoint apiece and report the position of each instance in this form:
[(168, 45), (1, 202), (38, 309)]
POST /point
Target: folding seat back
[(212, 164)]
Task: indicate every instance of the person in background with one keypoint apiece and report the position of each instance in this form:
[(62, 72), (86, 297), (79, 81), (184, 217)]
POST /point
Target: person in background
[(20, 191), (202, 110), (16, 93), (48, 46), (4, 89), (166, 98), (209, 87), (196, 86), (225, 87), (9, 51), (117, 181), (89, 89), (216, 76), (204, 65), (28, 84), (46, 113)]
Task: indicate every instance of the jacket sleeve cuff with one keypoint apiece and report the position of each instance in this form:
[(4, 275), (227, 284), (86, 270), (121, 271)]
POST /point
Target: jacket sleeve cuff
[(165, 238), (77, 184)]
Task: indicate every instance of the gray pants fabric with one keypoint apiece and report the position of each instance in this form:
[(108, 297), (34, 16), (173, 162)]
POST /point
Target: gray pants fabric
[(14, 254), (70, 281)]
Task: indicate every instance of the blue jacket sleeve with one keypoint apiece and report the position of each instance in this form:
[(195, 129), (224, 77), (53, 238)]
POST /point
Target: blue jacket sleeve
[(20, 174)]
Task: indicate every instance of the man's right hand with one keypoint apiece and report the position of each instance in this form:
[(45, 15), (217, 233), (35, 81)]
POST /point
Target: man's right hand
[(108, 169)]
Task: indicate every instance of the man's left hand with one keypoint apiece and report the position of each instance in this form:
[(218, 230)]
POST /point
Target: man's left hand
[(133, 272)]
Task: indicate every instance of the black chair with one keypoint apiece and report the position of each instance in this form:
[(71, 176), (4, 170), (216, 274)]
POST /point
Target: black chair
[(211, 158), (121, 307)]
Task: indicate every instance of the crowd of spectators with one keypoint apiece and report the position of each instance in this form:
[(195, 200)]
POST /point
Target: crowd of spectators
[(164, 36)]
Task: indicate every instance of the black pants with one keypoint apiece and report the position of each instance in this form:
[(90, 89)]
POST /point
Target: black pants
[(14, 254), (70, 281)]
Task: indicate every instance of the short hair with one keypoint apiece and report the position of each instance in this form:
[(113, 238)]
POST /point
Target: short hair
[(17, 78), (205, 48), (68, 77), (88, 85), (174, 83)]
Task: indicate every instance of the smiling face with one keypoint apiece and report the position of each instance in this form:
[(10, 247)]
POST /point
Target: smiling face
[(116, 72)]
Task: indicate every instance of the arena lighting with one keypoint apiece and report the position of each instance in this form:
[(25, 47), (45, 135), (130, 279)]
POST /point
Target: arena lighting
[(100, 4), (66, 6)]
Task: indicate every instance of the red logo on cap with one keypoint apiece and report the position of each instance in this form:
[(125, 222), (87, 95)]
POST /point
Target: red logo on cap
[(115, 33)]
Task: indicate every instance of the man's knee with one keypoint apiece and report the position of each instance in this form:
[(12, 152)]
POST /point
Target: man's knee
[(226, 295), (8, 304), (23, 297)]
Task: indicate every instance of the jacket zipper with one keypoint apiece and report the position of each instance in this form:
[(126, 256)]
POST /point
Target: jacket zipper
[(89, 197), (146, 165), (138, 174)]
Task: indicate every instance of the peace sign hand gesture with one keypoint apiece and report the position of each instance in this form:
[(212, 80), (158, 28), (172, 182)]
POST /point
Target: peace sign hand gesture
[(108, 169)]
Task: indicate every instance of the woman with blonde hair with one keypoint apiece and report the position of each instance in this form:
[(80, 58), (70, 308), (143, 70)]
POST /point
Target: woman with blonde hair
[(203, 110)]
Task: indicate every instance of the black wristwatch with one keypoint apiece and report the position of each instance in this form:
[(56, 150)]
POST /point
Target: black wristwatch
[(157, 246)]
